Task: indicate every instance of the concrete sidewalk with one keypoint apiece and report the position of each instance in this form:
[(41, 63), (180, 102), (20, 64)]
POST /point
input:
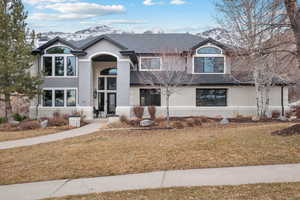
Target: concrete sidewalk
[(162, 179), (90, 128)]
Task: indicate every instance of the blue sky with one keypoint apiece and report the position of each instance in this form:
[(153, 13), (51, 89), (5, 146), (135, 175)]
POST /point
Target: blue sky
[(136, 15)]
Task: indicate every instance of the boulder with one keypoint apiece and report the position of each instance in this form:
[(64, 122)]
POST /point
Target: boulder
[(44, 124), (146, 123), (282, 118), (14, 122), (113, 120), (224, 121), (255, 118)]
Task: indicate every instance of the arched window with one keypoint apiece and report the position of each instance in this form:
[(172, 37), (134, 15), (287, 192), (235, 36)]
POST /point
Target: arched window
[(209, 50), (109, 71), (59, 50), (209, 59)]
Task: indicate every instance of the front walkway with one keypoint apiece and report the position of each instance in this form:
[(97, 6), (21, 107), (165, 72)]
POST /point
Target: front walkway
[(162, 179), (90, 128)]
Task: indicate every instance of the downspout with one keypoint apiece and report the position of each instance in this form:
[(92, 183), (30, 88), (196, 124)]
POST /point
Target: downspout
[(282, 103)]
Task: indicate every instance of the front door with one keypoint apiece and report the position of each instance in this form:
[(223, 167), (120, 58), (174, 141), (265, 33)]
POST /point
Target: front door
[(111, 103)]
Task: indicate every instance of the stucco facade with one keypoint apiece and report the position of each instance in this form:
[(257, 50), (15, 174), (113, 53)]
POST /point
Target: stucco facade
[(103, 53)]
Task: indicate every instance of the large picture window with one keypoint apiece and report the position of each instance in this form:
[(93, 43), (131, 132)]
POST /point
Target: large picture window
[(59, 97), (211, 97), (209, 60), (150, 63), (150, 97), (58, 61)]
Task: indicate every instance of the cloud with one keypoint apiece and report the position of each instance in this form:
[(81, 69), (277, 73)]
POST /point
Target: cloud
[(123, 21), (151, 2), (178, 2), (85, 8), (33, 2), (79, 10)]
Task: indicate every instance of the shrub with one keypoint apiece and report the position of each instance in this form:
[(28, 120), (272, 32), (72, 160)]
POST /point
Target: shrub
[(29, 125), (159, 119), (56, 115), (124, 119), (134, 123), (197, 122), (18, 117), (152, 112), (189, 122), (289, 114), (204, 119), (138, 111), (297, 110), (178, 125), (275, 114), (2, 120)]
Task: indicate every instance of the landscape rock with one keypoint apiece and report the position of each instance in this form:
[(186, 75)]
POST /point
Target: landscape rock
[(146, 123), (44, 124), (113, 120), (14, 122), (224, 121), (282, 118), (255, 118)]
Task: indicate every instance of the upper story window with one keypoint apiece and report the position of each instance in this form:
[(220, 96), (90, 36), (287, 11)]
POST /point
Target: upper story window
[(209, 59), (150, 63), (59, 62)]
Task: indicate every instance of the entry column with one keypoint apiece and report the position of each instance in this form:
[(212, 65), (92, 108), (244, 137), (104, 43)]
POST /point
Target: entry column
[(123, 88)]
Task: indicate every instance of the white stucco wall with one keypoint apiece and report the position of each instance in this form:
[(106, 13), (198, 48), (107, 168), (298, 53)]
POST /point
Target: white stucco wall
[(240, 100)]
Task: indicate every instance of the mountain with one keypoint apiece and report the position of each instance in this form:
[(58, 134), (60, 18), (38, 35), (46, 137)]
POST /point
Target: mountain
[(219, 34)]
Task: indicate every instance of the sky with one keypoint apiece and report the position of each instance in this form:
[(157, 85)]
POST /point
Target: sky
[(130, 15)]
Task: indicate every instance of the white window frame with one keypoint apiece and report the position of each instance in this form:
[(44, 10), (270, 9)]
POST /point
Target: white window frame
[(65, 62), (140, 63), (209, 56), (53, 98)]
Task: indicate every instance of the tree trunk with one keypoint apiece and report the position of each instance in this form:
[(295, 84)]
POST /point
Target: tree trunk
[(168, 109), (8, 108)]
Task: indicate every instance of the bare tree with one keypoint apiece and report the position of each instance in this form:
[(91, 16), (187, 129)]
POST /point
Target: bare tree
[(254, 27), (170, 77)]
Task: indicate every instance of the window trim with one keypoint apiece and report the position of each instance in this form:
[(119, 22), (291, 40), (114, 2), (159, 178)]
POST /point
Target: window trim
[(65, 62), (140, 97), (140, 63), (53, 98), (214, 106), (209, 56)]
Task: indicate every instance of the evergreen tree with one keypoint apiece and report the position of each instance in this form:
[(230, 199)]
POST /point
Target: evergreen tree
[(15, 55)]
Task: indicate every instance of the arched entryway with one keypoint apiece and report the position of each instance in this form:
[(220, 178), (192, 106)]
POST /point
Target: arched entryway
[(105, 85)]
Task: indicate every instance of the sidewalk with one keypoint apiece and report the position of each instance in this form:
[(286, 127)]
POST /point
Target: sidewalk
[(162, 179), (90, 128)]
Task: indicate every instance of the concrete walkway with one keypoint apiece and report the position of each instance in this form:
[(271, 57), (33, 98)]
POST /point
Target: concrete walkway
[(162, 179), (90, 128)]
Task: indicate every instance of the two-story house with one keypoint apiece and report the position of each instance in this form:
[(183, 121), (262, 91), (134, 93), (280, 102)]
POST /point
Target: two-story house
[(105, 74)]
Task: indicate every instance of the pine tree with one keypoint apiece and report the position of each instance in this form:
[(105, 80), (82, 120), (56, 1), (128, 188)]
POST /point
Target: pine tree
[(15, 55)]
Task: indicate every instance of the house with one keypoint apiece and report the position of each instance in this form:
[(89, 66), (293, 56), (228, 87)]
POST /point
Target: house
[(105, 73)]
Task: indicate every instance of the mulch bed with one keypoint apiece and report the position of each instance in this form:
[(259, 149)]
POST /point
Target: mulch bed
[(293, 130)]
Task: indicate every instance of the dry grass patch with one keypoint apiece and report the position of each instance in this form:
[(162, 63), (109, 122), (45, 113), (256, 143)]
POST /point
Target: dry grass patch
[(282, 191), (15, 135), (122, 152)]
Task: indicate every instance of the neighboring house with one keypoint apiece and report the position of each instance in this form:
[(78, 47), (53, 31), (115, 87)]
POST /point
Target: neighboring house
[(106, 73)]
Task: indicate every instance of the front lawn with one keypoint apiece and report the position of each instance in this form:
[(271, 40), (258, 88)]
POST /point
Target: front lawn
[(121, 152), (15, 135), (283, 191)]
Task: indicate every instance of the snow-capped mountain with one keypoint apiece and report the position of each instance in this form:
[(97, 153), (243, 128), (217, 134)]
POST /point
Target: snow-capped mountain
[(219, 34)]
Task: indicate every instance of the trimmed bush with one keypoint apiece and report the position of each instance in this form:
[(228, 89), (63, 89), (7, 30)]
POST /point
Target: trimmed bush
[(189, 122), (29, 125), (18, 117), (197, 122), (138, 112), (2, 120), (297, 111), (177, 125), (275, 114), (152, 112), (124, 119)]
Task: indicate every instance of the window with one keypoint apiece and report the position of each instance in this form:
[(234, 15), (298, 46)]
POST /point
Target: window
[(59, 50), (59, 97), (101, 83), (71, 66), (48, 66), (209, 64), (109, 71), (153, 63), (47, 98), (111, 83), (211, 97), (209, 60), (58, 61), (150, 97), (71, 97)]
